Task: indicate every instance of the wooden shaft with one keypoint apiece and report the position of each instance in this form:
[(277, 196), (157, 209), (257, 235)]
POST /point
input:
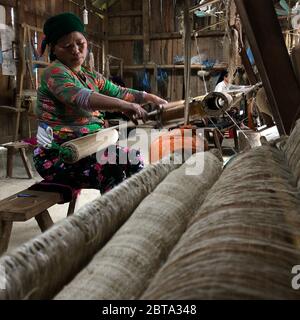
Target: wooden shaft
[(173, 104)]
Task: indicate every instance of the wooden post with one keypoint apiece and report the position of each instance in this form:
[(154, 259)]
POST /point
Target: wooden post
[(20, 38), (187, 59), (121, 69), (263, 31), (146, 31), (155, 87), (105, 43)]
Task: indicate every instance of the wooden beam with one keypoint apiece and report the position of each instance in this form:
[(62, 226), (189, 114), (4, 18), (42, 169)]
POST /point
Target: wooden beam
[(128, 13), (126, 37), (217, 67), (146, 31), (178, 35), (263, 30), (8, 3), (165, 36)]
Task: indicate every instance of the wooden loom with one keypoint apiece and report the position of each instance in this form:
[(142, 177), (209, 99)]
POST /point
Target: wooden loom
[(214, 103)]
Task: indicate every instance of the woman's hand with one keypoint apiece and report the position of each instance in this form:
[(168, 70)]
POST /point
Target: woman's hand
[(134, 112), (148, 97)]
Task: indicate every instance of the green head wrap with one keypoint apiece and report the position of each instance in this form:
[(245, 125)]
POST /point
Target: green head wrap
[(61, 25)]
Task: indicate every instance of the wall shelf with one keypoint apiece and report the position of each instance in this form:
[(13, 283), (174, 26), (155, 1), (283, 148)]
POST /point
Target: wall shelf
[(216, 67)]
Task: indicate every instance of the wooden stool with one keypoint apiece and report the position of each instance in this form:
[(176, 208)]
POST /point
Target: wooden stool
[(11, 149), (25, 205)]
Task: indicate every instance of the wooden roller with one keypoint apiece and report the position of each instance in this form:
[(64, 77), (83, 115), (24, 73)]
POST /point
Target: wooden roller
[(212, 104), (74, 150)]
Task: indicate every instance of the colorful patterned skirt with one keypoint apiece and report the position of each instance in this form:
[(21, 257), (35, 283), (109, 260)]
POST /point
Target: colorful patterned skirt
[(88, 172)]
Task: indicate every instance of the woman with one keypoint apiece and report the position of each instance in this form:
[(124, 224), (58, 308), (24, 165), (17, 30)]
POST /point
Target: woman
[(69, 105)]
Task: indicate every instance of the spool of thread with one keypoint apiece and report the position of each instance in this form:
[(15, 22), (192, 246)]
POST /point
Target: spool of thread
[(202, 73)]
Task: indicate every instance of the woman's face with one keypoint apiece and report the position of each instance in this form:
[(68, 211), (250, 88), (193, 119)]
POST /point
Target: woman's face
[(71, 50)]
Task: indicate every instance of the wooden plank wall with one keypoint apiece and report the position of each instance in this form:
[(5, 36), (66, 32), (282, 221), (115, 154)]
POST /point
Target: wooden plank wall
[(125, 35), (35, 13), (7, 85), (164, 44)]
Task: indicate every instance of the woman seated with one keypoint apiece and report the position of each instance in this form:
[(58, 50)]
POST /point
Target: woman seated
[(70, 103)]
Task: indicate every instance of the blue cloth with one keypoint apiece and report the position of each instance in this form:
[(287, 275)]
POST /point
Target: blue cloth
[(162, 76), (208, 63), (250, 56), (146, 82)]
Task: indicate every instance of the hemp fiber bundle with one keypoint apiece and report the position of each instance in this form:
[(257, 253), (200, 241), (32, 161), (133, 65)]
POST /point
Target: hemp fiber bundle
[(292, 152), (41, 267), (79, 148), (123, 268), (263, 103), (244, 240)]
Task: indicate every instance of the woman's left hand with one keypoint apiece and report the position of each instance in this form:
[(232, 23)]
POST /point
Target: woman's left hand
[(154, 99)]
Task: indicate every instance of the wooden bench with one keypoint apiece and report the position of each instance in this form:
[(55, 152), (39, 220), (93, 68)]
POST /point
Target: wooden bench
[(28, 204)]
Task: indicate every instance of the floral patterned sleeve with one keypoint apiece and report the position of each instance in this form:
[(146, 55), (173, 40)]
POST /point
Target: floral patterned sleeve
[(110, 89), (62, 85)]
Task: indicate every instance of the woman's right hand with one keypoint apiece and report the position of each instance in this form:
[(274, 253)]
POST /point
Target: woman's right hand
[(134, 112)]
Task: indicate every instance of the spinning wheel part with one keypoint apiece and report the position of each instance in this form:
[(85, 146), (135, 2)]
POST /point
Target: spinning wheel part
[(216, 103)]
